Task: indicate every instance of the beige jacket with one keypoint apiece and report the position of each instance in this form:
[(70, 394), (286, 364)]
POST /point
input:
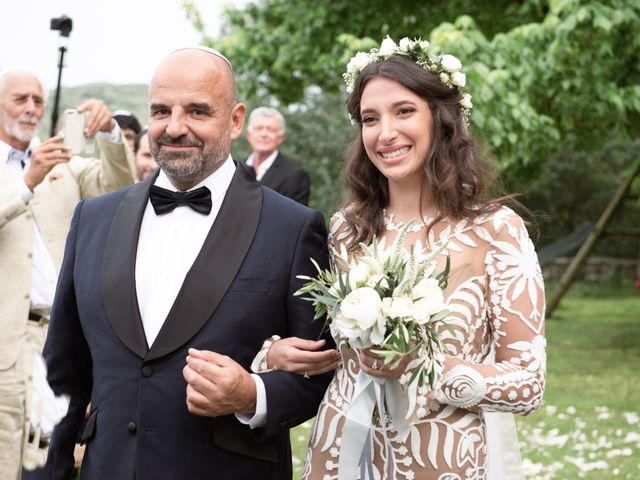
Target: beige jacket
[(52, 207)]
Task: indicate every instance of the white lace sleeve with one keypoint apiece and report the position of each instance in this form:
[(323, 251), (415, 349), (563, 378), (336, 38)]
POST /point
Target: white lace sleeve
[(515, 310), (259, 364)]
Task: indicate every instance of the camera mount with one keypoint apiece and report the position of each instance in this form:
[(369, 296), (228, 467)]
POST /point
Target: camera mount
[(64, 25)]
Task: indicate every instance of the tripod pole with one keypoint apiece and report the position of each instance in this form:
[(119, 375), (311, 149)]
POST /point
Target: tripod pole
[(54, 112)]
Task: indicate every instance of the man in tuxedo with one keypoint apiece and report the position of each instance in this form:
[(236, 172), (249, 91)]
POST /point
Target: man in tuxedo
[(167, 291), (265, 133), (40, 185)]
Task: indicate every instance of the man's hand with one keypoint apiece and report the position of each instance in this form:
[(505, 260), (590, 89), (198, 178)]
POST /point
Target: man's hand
[(43, 158), (217, 385), (99, 118)]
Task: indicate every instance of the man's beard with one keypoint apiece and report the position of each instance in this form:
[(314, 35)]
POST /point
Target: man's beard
[(188, 164), (13, 128)]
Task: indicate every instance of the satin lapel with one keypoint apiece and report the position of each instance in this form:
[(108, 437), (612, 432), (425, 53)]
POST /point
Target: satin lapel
[(216, 265), (119, 267)]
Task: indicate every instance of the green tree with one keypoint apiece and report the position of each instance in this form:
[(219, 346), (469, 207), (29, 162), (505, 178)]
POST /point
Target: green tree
[(553, 81)]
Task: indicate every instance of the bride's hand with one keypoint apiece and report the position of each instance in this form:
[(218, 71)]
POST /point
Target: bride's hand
[(300, 356), (372, 364)]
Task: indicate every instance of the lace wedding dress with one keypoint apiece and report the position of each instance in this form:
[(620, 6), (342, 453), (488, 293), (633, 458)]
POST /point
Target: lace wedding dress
[(496, 299)]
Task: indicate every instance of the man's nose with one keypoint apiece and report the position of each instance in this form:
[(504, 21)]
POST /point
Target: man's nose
[(31, 107), (177, 125)]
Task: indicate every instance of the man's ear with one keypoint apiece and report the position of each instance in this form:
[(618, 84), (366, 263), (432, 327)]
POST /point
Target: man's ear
[(237, 120)]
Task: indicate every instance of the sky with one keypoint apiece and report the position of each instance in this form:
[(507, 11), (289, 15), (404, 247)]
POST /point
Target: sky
[(114, 41)]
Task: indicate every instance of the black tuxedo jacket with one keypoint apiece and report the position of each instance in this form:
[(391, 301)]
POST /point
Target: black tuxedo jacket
[(288, 179), (237, 293)]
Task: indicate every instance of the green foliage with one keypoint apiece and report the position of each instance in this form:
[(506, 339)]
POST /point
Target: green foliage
[(593, 180), (283, 46), (569, 82), (552, 81)]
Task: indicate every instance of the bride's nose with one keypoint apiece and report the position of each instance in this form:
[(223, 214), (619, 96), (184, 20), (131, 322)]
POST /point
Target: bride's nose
[(388, 131)]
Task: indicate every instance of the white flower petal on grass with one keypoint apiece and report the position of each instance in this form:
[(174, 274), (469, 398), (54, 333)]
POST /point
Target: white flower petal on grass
[(631, 417)]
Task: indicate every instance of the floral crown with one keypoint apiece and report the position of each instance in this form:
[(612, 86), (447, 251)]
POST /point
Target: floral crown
[(447, 67)]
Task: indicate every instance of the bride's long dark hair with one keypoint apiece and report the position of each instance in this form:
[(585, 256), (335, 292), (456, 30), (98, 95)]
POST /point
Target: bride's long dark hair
[(455, 172)]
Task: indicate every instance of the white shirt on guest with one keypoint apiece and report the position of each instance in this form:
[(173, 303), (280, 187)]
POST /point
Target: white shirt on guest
[(264, 166), (168, 245)]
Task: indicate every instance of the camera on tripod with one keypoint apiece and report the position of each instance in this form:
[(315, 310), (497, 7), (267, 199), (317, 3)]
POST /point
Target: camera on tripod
[(63, 24)]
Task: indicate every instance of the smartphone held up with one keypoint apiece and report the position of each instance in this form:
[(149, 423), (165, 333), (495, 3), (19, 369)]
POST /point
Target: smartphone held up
[(73, 130)]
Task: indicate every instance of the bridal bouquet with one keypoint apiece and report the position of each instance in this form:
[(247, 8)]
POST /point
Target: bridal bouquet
[(388, 298)]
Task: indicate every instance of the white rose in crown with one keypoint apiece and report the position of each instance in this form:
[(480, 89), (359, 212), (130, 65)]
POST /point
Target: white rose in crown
[(445, 78), (358, 62), (428, 299), (388, 47), (466, 101), (405, 45), (450, 63), (459, 79)]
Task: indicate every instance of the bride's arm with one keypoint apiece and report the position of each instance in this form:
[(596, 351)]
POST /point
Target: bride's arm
[(515, 301)]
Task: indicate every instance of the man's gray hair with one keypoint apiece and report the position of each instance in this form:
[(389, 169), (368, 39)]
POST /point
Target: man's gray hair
[(268, 112), (5, 73)]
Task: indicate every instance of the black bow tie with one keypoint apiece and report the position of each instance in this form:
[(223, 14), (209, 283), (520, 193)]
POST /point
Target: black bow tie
[(165, 201)]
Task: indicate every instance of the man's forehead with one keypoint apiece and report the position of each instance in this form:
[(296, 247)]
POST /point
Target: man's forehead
[(18, 85)]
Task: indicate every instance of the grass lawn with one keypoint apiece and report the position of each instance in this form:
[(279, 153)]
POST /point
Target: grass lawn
[(588, 426)]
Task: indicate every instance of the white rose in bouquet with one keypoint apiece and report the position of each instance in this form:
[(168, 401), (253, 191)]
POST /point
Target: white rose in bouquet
[(429, 299), (359, 316), (399, 307), (358, 275)]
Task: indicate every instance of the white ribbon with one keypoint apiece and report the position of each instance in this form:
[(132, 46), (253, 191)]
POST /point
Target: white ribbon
[(369, 392)]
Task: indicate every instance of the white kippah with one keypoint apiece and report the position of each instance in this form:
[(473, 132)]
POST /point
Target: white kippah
[(212, 51)]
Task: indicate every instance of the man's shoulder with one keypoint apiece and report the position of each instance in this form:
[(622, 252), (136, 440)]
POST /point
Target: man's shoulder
[(107, 200), (281, 206)]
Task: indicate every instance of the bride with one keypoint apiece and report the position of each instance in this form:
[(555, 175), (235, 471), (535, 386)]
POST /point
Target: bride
[(414, 160)]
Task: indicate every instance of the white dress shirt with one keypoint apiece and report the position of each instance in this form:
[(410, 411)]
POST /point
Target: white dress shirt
[(264, 166), (168, 245)]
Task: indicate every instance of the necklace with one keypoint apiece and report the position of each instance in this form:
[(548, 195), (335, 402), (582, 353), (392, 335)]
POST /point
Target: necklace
[(396, 227)]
